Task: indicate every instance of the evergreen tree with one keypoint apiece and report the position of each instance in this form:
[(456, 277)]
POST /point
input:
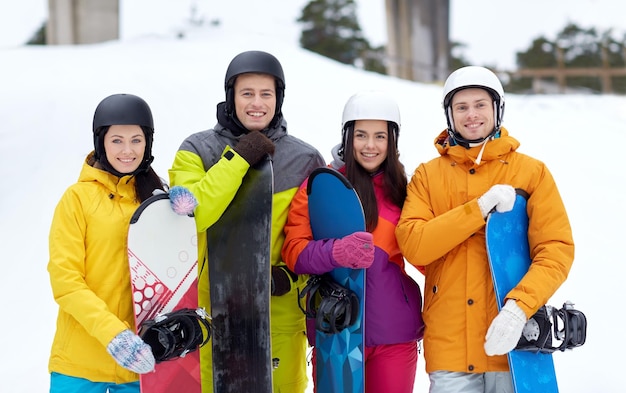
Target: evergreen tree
[(457, 60), (39, 38), (331, 28)]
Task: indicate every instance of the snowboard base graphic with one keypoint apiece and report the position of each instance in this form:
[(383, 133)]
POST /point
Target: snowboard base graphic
[(163, 259), (335, 211), (239, 277), (509, 259)]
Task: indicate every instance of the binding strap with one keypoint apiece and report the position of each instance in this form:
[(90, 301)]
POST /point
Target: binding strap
[(173, 335), (567, 324), (333, 306)]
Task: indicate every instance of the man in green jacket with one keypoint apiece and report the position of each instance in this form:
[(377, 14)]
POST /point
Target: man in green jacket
[(212, 164)]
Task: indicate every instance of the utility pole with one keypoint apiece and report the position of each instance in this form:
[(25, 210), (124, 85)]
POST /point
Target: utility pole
[(418, 45)]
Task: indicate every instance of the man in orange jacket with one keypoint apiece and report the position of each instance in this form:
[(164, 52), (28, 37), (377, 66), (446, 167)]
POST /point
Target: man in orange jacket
[(442, 227)]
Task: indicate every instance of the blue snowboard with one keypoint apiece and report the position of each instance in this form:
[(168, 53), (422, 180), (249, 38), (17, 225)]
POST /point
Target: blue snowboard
[(509, 259), (335, 211)]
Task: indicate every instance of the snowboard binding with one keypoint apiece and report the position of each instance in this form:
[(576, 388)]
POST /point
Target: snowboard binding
[(175, 334), (567, 325), (333, 306)]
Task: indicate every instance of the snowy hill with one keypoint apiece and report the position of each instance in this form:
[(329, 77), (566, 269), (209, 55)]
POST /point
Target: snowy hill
[(47, 99)]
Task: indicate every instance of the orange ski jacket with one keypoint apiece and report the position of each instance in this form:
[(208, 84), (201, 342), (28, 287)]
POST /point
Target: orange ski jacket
[(441, 228)]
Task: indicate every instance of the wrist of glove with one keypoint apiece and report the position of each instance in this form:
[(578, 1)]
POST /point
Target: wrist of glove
[(355, 251), (131, 352), (182, 201), (281, 280), (505, 330), (501, 197), (253, 146)]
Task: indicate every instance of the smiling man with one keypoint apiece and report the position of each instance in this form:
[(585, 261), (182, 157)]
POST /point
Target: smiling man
[(212, 164), (442, 228)]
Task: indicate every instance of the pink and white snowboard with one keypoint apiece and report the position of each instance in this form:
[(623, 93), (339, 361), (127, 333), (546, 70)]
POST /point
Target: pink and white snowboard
[(163, 260)]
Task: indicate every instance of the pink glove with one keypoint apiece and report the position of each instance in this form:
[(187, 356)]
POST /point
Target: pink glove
[(355, 251)]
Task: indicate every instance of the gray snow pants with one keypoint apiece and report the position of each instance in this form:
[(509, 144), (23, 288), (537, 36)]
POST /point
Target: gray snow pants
[(454, 382)]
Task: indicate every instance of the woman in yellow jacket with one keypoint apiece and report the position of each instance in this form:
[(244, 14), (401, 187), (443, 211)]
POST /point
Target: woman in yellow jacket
[(95, 349), (442, 227)]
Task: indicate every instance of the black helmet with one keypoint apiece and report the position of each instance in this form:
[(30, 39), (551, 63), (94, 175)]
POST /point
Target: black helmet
[(119, 109), (254, 62), (122, 109)]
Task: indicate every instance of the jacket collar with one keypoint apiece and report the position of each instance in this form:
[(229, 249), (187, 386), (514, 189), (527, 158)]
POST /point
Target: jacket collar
[(123, 186), (493, 150), (232, 128)]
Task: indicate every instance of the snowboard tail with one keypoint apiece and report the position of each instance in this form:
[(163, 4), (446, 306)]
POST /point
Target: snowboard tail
[(335, 211), (239, 278)]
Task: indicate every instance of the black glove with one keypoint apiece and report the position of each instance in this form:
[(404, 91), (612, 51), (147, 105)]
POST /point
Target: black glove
[(281, 280), (254, 146)]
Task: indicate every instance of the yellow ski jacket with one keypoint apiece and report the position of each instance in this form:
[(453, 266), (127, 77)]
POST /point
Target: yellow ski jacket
[(442, 228), (89, 274)]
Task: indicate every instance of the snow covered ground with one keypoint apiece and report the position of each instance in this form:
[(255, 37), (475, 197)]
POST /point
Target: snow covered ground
[(47, 99)]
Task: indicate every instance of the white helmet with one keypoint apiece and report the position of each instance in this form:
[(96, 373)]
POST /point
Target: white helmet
[(370, 105), (468, 77)]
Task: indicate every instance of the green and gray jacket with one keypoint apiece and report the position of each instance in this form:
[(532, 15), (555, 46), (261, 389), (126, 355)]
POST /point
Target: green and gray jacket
[(201, 166)]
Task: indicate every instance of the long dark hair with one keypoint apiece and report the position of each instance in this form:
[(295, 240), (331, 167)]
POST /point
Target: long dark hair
[(394, 176), (146, 182)]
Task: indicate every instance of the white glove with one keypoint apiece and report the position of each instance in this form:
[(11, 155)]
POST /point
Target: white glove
[(505, 330), (131, 352), (500, 196)]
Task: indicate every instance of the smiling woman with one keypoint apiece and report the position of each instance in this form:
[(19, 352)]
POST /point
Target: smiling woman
[(95, 339), (368, 157), (370, 143), (125, 145)]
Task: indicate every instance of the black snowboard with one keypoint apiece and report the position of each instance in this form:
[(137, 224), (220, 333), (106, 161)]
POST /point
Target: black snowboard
[(239, 277)]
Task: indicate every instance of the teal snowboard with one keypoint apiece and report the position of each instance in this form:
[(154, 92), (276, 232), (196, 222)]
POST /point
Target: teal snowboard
[(239, 277), (509, 259), (335, 211)]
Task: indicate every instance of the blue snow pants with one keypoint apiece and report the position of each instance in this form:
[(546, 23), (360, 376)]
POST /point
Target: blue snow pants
[(60, 383)]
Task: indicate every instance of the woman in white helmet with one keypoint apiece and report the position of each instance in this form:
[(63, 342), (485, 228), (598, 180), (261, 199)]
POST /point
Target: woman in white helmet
[(368, 157), (442, 228)]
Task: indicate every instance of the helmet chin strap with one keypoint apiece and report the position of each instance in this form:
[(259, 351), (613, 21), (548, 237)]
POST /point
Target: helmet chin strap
[(482, 149), (474, 143)]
